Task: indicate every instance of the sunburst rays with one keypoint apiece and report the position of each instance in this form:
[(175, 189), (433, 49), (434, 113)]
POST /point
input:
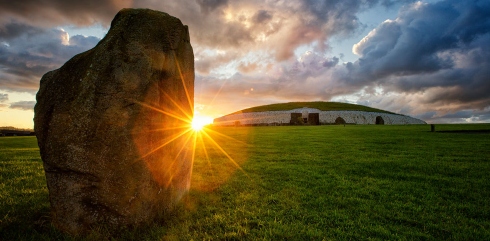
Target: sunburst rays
[(189, 137), (181, 136)]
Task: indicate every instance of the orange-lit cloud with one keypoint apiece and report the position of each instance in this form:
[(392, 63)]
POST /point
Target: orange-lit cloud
[(432, 55)]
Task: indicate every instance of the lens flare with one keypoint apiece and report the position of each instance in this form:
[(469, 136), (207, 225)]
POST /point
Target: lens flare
[(198, 122), (184, 139)]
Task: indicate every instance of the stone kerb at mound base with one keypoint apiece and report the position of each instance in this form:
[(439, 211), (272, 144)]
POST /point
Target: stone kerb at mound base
[(325, 118)]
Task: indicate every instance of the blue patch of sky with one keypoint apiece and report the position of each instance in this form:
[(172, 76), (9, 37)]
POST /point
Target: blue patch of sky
[(94, 30)]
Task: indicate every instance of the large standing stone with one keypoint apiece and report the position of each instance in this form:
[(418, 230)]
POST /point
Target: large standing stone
[(110, 125)]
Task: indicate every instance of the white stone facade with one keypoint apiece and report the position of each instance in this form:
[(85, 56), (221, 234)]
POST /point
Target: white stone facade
[(326, 117)]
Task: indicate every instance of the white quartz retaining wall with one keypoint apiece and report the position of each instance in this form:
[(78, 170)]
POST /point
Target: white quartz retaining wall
[(326, 117)]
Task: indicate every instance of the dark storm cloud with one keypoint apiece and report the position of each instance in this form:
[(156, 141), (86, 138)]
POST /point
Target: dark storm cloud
[(256, 25), (207, 21), (4, 97), (440, 49), (331, 63), (299, 79), (342, 13), (425, 38), (55, 12), (306, 21), (262, 16), (25, 58), (473, 116), (429, 62), (316, 21), (210, 5), (431, 57), (12, 30), (483, 117), (278, 27), (391, 3), (205, 62), (23, 105)]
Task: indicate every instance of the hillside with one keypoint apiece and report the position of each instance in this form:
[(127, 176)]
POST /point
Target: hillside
[(325, 106)]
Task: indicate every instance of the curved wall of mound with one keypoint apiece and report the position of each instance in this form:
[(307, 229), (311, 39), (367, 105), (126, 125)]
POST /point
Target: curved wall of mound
[(325, 117)]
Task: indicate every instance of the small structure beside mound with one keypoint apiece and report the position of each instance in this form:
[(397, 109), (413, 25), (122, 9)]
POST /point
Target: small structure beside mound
[(313, 116)]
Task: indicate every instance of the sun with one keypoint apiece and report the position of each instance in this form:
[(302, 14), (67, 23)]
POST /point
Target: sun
[(198, 122)]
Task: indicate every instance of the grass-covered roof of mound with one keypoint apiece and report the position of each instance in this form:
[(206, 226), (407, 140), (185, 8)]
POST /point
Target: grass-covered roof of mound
[(325, 106)]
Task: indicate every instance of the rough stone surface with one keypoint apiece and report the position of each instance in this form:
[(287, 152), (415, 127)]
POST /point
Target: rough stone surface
[(108, 124), (325, 117)]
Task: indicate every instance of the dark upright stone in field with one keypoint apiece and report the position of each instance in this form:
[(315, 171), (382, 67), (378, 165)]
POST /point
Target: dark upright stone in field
[(108, 125)]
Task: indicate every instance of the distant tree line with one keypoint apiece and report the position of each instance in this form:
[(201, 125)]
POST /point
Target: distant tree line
[(12, 131), (11, 128)]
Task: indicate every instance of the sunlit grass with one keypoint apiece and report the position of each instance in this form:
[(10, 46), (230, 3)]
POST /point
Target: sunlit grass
[(297, 183)]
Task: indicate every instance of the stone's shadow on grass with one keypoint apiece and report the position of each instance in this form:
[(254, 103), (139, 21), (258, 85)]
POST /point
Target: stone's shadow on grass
[(14, 223)]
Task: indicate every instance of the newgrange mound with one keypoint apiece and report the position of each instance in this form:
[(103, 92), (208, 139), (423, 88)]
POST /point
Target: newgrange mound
[(313, 113)]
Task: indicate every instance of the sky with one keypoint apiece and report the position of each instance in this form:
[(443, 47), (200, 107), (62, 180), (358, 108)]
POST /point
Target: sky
[(427, 59)]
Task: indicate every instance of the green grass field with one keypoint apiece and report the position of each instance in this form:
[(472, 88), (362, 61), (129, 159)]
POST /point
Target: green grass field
[(296, 183)]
